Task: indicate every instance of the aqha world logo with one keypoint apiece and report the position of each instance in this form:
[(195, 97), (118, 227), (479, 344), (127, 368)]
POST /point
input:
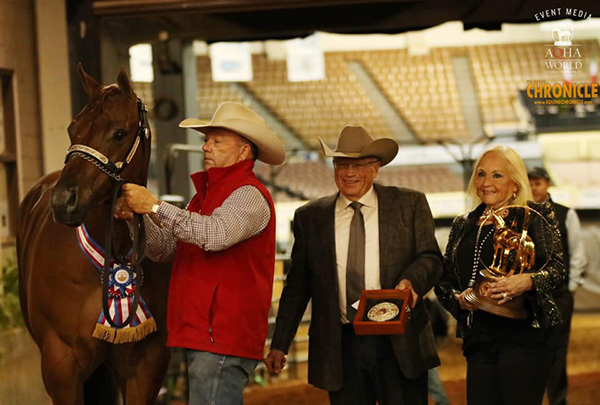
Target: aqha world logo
[(563, 54)]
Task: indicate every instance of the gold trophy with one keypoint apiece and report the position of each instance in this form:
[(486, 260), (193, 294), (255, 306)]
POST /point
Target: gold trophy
[(514, 253)]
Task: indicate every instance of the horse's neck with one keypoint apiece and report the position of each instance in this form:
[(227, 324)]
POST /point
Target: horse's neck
[(97, 224)]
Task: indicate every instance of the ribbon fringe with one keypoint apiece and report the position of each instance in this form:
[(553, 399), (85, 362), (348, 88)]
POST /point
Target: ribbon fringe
[(125, 335)]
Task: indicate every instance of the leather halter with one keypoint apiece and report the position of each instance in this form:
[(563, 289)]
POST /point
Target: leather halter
[(100, 160)]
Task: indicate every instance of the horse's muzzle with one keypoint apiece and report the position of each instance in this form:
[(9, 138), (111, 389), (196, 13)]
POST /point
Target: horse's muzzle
[(65, 207)]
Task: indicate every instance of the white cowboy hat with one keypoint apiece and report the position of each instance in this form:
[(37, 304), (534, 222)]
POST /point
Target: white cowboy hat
[(246, 123), (355, 142)]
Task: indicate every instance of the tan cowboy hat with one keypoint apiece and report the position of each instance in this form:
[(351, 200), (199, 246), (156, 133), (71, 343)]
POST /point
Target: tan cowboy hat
[(244, 122), (355, 142)]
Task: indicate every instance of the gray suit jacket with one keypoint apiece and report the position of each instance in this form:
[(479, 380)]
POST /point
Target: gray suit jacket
[(408, 250)]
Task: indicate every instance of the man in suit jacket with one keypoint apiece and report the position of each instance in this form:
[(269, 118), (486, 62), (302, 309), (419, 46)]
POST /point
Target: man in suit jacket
[(400, 251)]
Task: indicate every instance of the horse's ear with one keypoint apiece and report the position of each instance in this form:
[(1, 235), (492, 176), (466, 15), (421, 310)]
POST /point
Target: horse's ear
[(125, 84), (90, 85)]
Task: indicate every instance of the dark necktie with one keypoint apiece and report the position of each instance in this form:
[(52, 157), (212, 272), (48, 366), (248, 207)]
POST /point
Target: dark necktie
[(355, 266)]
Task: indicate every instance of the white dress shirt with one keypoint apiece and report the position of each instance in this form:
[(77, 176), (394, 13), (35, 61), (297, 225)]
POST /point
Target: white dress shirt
[(343, 218), (577, 259)]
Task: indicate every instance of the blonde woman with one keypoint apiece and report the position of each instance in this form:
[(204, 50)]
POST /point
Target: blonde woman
[(507, 359)]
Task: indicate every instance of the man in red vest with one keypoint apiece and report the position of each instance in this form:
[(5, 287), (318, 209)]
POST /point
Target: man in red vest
[(223, 247)]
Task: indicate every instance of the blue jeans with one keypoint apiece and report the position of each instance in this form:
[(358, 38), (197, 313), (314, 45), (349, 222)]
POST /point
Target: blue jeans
[(216, 379), (436, 388)]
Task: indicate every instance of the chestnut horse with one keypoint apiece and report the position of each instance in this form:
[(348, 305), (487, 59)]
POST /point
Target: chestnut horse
[(60, 289)]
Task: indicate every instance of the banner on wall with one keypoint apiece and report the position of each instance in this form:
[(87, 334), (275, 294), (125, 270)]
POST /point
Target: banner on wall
[(305, 59), (140, 63), (231, 62)]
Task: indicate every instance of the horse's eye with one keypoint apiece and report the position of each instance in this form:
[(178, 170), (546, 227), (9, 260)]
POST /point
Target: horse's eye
[(120, 134)]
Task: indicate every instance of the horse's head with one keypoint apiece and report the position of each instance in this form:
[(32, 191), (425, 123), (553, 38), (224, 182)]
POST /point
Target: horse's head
[(110, 141)]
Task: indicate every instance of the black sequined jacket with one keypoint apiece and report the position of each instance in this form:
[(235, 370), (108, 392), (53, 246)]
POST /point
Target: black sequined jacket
[(552, 276)]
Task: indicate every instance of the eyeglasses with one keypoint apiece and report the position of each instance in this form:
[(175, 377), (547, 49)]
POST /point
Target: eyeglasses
[(345, 165)]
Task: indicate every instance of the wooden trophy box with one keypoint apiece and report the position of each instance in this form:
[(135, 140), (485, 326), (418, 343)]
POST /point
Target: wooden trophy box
[(394, 326)]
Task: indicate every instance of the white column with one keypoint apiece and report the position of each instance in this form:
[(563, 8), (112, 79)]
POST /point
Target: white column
[(54, 88)]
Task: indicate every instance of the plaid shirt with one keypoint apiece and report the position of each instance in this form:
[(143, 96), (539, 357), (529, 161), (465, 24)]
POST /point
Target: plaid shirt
[(245, 213)]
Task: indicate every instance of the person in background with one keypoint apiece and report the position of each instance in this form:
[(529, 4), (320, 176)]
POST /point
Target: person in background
[(365, 237), (439, 321), (575, 263), (508, 359), (223, 246)]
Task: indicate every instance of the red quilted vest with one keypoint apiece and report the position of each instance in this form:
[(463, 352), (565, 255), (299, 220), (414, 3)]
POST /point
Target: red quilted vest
[(219, 301)]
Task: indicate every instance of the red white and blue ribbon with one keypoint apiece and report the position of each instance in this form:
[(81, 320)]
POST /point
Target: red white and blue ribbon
[(121, 287)]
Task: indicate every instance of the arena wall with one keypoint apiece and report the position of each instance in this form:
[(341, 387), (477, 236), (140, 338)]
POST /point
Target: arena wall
[(19, 66)]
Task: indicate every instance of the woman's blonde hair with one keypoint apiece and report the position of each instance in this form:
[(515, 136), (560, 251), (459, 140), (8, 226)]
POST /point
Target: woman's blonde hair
[(517, 173)]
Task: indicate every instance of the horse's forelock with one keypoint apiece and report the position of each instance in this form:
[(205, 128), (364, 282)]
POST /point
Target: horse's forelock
[(116, 89), (112, 90), (106, 100), (113, 94), (109, 104)]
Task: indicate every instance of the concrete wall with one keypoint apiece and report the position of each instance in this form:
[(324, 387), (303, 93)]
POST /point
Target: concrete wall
[(18, 54), (28, 156), (33, 45), (53, 74)]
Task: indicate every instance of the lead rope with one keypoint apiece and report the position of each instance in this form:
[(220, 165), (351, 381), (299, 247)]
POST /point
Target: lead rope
[(137, 256)]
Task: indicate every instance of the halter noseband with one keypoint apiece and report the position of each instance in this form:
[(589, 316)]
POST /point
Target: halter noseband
[(100, 160)]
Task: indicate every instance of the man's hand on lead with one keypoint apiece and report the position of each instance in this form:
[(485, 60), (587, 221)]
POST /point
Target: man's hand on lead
[(122, 210), (138, 198)]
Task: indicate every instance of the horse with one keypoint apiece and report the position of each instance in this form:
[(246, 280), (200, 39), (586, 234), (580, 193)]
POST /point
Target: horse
[(60, 289), (507, 240)]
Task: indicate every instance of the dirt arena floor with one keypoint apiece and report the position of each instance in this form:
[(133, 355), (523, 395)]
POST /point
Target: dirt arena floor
[(583, 368), (19, 373), (584, 389)]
